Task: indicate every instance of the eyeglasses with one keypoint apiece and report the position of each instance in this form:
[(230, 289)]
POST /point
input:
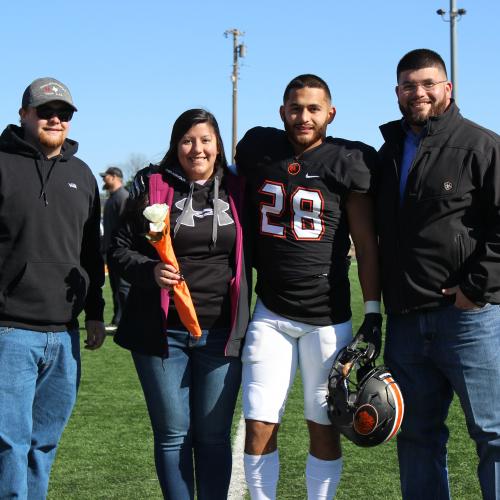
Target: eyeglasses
[(45, 112), (409, 88)]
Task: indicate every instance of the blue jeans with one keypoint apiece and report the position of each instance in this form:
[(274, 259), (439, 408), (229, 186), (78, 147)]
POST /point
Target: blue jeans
[(191, 397), (432, 355), (39, 376)]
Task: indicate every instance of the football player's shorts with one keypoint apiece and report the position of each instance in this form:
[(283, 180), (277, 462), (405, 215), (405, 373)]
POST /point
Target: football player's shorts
[(274, 347)]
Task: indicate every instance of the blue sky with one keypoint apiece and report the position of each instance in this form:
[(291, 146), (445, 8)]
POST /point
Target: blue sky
[(133, 67)]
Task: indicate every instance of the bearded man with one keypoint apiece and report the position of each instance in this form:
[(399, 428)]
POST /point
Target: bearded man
[(438, 220), (50, 270), (113, 211)]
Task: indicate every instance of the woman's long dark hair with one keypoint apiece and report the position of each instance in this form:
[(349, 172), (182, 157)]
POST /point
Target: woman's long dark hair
[(140, 200), (186, 120)]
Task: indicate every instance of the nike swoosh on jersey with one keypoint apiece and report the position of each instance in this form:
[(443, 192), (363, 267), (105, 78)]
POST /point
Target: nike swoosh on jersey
[(309, 176)]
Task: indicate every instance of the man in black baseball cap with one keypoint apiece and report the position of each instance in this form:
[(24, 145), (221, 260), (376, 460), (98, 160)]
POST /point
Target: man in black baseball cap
[(113, 209)]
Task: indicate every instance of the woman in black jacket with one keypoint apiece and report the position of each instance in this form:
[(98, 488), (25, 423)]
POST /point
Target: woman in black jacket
[(190, 383)]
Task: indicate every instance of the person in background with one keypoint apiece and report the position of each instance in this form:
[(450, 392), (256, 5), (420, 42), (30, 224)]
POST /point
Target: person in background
[(307, 192), (190, 383), (113, 210), (438, 218), (50, 269)]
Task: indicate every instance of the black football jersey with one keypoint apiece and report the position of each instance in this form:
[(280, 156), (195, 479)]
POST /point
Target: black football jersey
[(299, 222)]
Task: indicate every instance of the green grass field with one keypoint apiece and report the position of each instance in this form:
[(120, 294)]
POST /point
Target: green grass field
[(106, 450)]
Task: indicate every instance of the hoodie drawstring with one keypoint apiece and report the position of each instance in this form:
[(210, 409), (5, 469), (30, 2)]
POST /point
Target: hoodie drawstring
[(217, 209), (45, 181), (187, 210)]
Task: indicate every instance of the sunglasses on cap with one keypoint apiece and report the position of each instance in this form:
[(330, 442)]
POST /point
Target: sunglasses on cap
[(46, 112)]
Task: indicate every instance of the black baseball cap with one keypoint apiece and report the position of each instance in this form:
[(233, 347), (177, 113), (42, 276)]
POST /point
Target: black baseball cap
[(112, 171)]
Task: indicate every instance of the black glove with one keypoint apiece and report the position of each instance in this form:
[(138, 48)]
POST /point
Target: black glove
[(370, 333)]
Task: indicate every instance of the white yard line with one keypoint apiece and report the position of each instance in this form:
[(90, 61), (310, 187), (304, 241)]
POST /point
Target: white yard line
[(237, 488)]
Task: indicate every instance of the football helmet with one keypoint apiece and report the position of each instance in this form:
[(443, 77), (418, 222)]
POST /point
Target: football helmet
[(367, 412)]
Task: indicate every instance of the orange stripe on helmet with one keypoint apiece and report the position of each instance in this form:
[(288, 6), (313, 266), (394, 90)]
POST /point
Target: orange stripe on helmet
[(398, 399)]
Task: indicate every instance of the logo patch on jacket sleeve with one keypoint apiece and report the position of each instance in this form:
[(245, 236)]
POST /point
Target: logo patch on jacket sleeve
[(448, 186)]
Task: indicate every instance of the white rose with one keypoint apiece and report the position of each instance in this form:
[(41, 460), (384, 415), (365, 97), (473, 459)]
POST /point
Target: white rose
[(156, 215)]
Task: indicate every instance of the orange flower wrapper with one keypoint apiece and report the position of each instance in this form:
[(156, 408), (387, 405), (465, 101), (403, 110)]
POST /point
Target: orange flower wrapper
[(182, 297)]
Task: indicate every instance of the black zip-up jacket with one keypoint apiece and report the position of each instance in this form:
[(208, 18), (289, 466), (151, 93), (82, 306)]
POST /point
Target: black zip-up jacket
[(217, 288), (50, 264), (446, 230)]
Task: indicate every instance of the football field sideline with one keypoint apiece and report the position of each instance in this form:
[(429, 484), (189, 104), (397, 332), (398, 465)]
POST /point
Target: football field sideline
[(237, 488)]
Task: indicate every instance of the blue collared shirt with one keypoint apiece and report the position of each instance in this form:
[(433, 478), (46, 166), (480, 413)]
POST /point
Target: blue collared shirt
[(412, 141)]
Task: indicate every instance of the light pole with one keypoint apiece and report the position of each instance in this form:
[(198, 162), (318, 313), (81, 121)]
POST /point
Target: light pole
[(454, 16), (239, 50)]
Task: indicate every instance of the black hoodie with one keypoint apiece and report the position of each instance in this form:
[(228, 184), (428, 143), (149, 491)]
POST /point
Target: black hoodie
[(50, 264)]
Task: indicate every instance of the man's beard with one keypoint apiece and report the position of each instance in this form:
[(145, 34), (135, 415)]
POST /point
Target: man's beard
[(303, 142), (51, 141), (419, 118)]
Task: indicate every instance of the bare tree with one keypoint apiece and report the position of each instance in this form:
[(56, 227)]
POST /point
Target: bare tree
[(135, 162)]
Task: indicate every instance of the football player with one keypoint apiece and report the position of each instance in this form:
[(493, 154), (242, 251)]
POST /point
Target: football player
[(307, 194)]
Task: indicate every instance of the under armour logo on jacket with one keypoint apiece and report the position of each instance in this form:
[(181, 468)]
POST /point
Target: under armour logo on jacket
[(189, 213)]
